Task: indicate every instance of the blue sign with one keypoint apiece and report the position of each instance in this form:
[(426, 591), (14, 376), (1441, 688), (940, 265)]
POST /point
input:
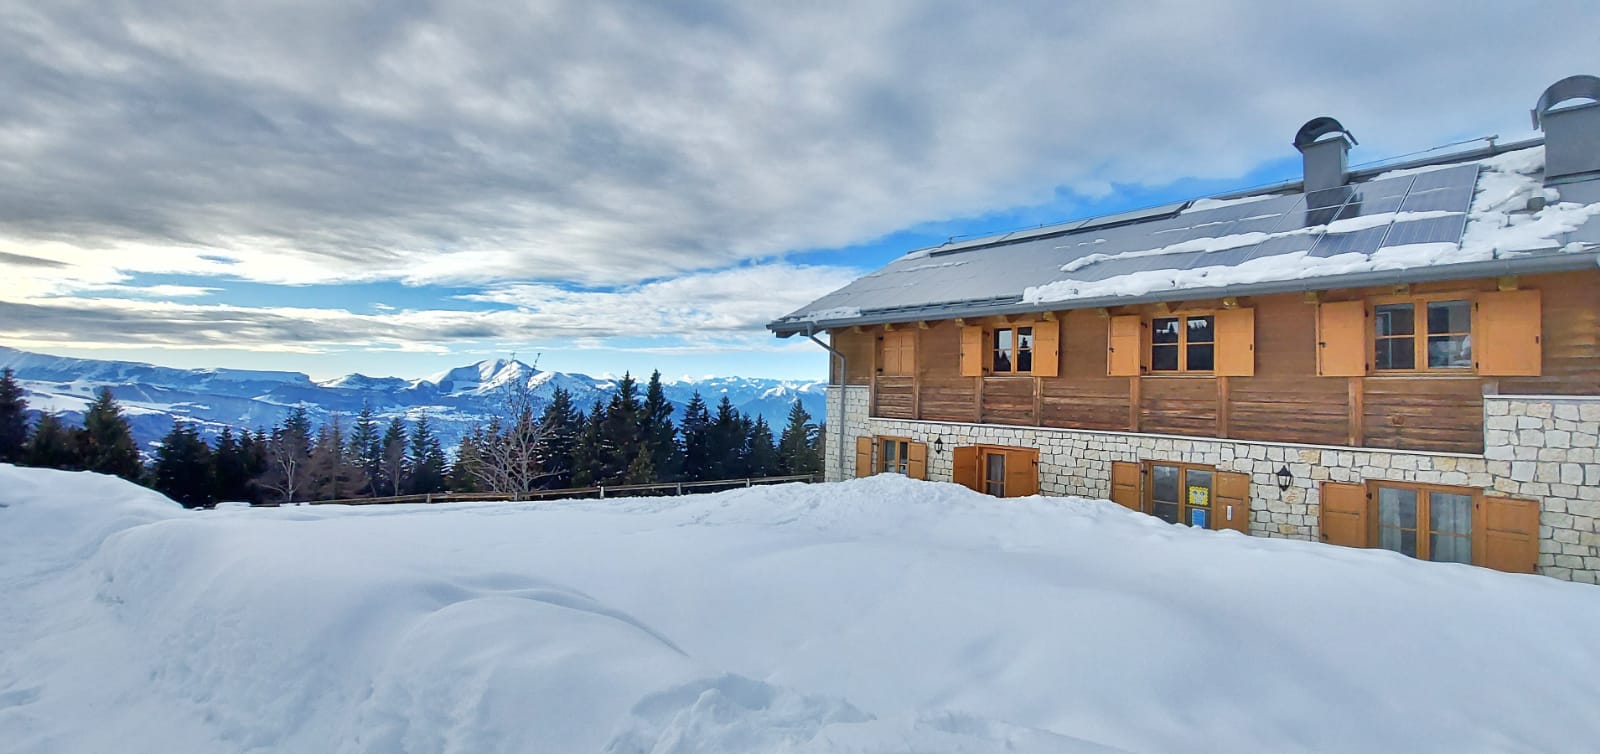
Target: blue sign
[(1200, 518)]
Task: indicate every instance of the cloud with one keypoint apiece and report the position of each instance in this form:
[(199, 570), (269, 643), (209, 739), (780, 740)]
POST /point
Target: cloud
[(610, 143), (698, 313)]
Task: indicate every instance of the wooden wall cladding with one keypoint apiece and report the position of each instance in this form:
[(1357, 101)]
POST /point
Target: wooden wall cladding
[(1424, 413), (1098, 403), (858, 350), (895, 397), (1314, 410), (1178, 406), (1008, 400), (944, 394), (1571, 324)]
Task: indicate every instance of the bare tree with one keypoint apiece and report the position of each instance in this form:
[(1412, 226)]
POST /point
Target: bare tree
[(508, 459), (288, 472)]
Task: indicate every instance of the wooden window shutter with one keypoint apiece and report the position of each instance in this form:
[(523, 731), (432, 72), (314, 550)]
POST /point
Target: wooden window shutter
[(890, 345), (1508, 333), (1046, 349), (1342, 339), (1344, 514), (917, 460), (1236, 343), (1022, 473), (972, 351), (1231, 508), (1125, 485), (864, 456), (965, 468), (1123, 357), (1506, 534)]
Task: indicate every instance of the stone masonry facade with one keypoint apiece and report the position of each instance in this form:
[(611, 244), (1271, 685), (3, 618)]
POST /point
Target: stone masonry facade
[(1544, 448)]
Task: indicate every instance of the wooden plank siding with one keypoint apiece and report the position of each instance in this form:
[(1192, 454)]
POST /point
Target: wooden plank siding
[(1282, 401)]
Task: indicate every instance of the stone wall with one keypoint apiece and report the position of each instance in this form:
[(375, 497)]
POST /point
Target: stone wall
[(1540, 448)]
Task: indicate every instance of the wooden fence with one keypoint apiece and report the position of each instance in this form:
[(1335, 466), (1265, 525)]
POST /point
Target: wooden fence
[(569, 493)]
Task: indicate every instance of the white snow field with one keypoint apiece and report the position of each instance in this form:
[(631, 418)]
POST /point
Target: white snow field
[(878, 615)]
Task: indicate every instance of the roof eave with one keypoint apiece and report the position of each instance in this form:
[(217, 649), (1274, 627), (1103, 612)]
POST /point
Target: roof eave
[(1534, 262)]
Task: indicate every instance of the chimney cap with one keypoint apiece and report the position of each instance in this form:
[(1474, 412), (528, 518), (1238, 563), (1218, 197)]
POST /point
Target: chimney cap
[(1581, 86), (1317, 128)]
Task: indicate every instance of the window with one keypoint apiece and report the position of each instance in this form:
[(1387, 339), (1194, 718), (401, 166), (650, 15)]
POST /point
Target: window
[(1013, 350), (899, 352), (1422, 335), (1181, 494), (892, 455), (1183, 344), (1425, 522), (994, 473)]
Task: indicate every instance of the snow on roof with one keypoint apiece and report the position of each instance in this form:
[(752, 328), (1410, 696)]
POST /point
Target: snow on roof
[(1408, 224)]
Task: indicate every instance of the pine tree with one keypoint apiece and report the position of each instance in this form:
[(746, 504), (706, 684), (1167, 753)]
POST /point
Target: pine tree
[(726, 442), (394, 472), (666, 458), (640, 470), (335, 474), (797, 446), (588, 456), (106, 442), (762, 460), (467, 469), (696, 432), (366, 449), (182, 468), (253, 451), (13, 418), (558, 436), (52, 446), (426, 458), (620, 440), (288, 454), (230, 468)]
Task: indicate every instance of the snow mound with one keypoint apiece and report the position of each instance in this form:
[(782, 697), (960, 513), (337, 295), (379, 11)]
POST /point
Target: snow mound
[(876, 615)]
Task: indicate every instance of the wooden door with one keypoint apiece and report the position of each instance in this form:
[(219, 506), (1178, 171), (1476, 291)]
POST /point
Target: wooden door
[(864, 456), (1507, 534), (1022, 473), (965, 469), (1231, 509)]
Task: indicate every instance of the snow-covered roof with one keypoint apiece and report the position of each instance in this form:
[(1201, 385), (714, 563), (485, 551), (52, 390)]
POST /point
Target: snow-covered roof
[(1480, 213)]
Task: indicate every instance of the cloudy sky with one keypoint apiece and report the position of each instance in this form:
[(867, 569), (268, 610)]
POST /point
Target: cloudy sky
[(396, 187)]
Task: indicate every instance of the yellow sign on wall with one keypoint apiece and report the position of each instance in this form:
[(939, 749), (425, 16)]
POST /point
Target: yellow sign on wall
[(1200, 496)]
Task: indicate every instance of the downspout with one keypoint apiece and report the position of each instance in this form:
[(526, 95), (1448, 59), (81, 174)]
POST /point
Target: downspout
[(811, 332)]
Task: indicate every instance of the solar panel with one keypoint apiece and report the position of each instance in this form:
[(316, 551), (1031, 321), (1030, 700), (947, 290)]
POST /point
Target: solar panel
[(1363, 241), (1462, 176), (1149, 213), (1445, 200), (1434, 230)]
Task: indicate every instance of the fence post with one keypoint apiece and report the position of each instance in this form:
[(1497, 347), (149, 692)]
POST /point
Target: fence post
[(680, 488), (602, 491), (747, 481)]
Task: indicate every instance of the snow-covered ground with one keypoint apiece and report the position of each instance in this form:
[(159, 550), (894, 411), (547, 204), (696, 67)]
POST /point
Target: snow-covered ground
[(881, 614)]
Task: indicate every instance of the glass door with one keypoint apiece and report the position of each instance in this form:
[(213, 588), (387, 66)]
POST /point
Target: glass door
[(994, 473), (1181, 494)]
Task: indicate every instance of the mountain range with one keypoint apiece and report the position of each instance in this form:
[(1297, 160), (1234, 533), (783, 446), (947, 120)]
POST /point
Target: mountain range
[(454, 400)]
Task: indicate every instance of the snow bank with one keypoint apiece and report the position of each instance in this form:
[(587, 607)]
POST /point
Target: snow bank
[(878, 615)]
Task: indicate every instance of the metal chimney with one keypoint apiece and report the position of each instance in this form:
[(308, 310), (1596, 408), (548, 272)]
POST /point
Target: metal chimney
[(1571, 133), (1325, 163)]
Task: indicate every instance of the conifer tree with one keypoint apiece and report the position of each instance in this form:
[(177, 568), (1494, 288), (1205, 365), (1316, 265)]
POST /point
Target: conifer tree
[(230, 468), (335, 474), (797, 445), (366, 448), (51, 446), (620, 438), (588, 455), (182, 467), (696, 432), (762, 460), (640, 470), (106, 442), (666, 458), (726, 442), (559, 426), (253, 451), (467, 469), (393, 471), (287, 476), (426, 458), (13, 418)]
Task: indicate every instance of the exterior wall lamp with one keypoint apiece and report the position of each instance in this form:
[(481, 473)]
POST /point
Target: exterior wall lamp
[(938, 446), (1285, 478)]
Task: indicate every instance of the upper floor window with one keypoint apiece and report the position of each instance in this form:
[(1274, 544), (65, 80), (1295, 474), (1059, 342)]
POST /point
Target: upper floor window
[(1422, 335), (1183, 344), (1013, 350)]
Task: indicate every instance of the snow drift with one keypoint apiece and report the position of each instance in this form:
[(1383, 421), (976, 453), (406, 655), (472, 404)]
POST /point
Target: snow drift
[(881, 614)]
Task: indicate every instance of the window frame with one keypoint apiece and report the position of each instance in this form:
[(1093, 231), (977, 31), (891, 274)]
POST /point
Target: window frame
[(1148, 474), (880, 462), (984, 481), (993, 335), (1183, 344), (1419, 332), (1424, 527)]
